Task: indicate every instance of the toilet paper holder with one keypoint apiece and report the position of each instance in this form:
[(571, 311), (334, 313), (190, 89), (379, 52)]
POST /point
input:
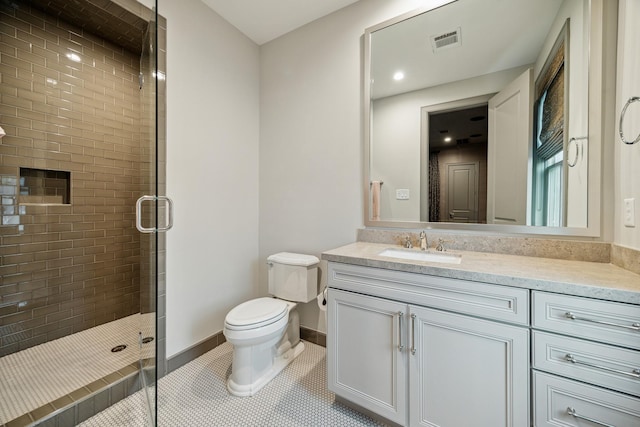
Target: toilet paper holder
[(322, 299)]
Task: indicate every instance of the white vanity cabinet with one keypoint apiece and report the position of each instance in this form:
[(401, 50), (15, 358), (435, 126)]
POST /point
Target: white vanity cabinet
[(465, 371), (428, 351), (586, 362), (366, 361)]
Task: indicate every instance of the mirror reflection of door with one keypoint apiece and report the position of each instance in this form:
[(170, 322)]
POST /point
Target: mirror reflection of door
[(457, 141), (508, 152), (462, 192)]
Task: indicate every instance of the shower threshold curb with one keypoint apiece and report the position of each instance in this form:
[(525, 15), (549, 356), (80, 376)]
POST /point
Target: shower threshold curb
[(85, 401)]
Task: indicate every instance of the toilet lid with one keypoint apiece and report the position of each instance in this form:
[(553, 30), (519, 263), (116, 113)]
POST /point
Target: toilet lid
[(256, 313)]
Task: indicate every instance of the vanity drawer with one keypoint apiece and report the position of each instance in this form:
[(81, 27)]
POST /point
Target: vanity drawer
[(600, 364), (563, 402), (604, 321), (474, 298)]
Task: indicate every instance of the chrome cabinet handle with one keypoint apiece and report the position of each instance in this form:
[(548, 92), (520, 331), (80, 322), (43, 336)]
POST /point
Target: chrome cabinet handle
[(400, 316), (169, 223), (571, 411), (570, 358), (413, 333), (634, 326)]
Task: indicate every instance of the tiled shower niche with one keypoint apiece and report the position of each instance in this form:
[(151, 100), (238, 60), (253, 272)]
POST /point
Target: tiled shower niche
[(39, 186)]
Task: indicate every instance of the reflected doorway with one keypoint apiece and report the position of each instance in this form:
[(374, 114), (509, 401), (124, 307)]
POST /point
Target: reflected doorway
[(454, 178)]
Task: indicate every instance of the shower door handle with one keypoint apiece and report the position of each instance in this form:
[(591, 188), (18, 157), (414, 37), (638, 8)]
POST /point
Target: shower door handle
[(169, 222)]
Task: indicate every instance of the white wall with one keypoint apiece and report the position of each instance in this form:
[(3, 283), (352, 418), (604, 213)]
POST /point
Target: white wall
[(311, 135), (212, 170), (627, 157)]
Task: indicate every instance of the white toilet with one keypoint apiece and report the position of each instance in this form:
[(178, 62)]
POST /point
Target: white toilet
[(265, 332)]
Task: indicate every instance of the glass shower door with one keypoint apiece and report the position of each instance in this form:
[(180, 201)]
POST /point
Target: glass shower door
[(153, 218)]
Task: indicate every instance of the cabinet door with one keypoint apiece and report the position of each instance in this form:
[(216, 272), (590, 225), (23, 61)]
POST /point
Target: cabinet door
[(466, 371), (365, 363)]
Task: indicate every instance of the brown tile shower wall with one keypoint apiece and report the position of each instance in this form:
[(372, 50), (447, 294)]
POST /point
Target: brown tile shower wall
[(67, 267)]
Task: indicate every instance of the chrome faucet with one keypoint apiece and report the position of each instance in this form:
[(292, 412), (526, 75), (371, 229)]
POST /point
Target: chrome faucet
[(423, 241), (407, 243), (440, 246)]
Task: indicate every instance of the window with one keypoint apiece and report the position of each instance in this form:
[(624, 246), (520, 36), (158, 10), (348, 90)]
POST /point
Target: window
[(548, 148)]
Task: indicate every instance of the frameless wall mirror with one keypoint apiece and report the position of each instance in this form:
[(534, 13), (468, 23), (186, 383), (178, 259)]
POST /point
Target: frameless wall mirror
[(477, 117)]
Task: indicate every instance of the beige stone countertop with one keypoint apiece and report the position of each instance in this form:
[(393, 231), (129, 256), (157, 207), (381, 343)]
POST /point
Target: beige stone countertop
[(580, 278)]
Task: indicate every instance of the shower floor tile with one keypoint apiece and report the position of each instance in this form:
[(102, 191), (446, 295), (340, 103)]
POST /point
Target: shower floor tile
[(196, 395), (38, 375)]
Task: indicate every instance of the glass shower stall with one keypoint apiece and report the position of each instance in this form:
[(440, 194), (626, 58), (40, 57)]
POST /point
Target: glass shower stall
[(82, 184)]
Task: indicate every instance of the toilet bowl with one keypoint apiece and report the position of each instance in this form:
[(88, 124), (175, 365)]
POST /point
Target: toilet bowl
[(262, 345), (265, 332)]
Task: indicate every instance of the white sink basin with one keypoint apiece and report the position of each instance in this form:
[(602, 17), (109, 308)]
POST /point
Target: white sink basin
[(415, 255)]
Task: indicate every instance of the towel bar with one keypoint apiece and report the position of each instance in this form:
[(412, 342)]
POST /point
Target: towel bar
[(624, 111)]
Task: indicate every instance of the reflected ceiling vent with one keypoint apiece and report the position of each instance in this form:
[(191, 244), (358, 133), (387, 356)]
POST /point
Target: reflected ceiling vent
[(446, 40)]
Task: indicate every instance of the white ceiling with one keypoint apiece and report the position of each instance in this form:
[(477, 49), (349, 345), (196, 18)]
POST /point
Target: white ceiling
[(265, 20), (496, 35)]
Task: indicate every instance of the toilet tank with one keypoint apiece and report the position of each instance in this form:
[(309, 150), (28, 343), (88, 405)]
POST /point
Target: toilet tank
[(293, 277)]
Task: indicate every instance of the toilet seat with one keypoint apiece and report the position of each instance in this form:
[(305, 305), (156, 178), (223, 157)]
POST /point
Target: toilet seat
[(256, 313)]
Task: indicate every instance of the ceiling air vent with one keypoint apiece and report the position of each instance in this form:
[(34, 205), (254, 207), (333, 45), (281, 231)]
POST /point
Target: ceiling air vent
[(446, 40)]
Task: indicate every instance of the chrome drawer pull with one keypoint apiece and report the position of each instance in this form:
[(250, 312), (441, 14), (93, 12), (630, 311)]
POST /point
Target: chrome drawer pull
[(634, 326), (413, 334), (570, 358), (400, 316), (571, 411)]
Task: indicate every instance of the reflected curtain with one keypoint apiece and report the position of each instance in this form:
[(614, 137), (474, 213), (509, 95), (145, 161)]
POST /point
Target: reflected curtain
[(550, 93), (551, 135), (434, 188)]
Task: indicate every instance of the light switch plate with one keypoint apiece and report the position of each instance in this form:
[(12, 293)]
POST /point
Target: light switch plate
[(402, 194), (629, 212)]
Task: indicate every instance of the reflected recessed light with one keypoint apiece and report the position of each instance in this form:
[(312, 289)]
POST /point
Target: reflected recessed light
[(399, 75), (74, 57), (447, 139)]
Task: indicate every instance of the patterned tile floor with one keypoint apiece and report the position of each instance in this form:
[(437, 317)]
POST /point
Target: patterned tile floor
[(195, 395), (38, 375)]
